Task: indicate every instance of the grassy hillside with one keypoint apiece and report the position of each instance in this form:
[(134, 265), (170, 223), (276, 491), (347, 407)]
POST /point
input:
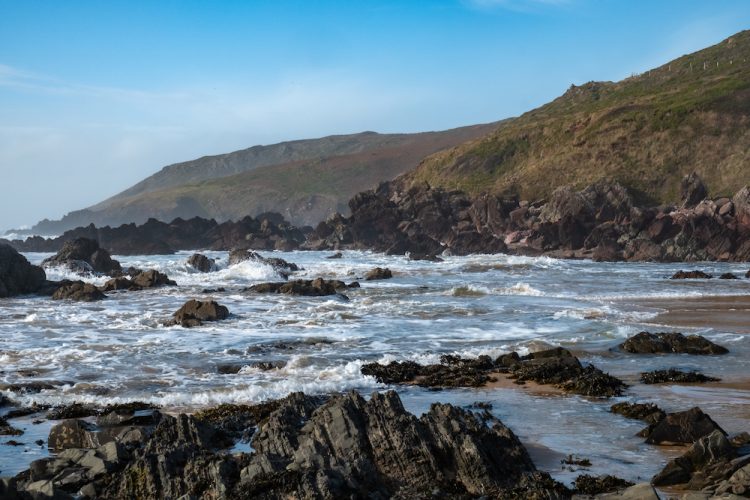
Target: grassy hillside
[(647, 131), (309, 181)]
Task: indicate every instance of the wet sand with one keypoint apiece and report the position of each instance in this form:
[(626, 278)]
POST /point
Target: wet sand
[(727, 314)]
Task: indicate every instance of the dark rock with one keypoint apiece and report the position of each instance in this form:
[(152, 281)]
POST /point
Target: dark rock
[(74, 410), (352, 448), (591, 485), (17, 276), (728, 276), (704, 463), (577, 461), (280, 265), (79, 291), (314, 288), (152, 279), (690, 275), (653, 343), (692, 190), (337, 255), (8, 430), (84, 250), (682, 427), (648, 412), (378, 273), (675, 375), (553, 367), (194, 313), (120, 283), (424, 256), (201, 263)]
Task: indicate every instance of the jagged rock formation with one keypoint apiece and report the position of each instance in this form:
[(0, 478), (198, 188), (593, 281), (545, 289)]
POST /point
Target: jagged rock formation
[(17, 276)]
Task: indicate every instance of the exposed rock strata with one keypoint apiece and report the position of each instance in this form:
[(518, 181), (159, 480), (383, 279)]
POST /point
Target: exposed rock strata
[(305, 447)]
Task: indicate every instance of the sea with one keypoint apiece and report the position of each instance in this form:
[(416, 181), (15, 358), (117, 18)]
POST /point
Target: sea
[(118, 350)]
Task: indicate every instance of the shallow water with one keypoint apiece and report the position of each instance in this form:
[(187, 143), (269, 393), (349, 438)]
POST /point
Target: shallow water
[(116, 350)]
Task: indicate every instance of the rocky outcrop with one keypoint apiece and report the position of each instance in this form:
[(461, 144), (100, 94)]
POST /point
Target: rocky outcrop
[(670, 342), (266, 232), (195, 312), (83, 255), (590, 485), (17, 276), (78, 291), (201, 263), (691, 275), (556, 367), (600, 222), (305, 447), (311, 288), (673, 375)]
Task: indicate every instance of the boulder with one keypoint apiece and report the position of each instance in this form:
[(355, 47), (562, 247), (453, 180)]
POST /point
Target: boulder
[(692, 190), (84, 250), (684, 427), (195, 312), (379, 273), (728, 276), (79, 291), (590, 485), (674, 342), (152, 279), (121, 283), (17, 276), (72, 433), (201, 263)]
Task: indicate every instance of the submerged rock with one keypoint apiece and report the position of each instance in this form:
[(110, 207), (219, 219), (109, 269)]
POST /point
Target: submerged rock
[(201, 263), (8, 430), (17, 276), (86, 251), (379, 273), (655, 343), (79, 291), (281, 266), (675, 375), (591, 485), (195, 312), (313, 288), (690, 275), (728, 276)]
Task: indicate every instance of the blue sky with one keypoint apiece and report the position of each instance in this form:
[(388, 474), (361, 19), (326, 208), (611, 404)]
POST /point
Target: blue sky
[(94, 96)]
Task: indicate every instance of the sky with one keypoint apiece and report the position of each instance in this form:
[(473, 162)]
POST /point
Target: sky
[(95, 96)]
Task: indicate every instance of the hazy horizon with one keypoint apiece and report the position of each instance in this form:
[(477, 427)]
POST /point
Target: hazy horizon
[(98, 96)]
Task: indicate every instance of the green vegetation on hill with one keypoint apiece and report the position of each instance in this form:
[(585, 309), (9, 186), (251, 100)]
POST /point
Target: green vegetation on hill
[(305, 180), (647, 131)]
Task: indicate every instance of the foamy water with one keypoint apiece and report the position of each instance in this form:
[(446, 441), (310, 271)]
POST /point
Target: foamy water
[(117, 350)]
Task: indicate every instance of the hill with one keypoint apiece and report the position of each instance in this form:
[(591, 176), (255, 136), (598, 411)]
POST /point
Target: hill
[(305, 180), (646, 132)]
